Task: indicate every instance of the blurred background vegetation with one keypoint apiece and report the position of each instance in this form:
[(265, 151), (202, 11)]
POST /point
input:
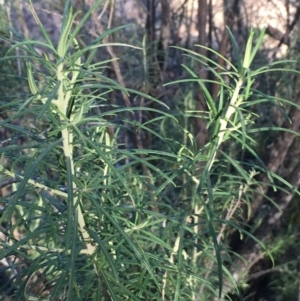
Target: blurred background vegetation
[(156, 25)]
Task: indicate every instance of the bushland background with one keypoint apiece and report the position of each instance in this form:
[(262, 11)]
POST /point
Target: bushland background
[(160, 24)]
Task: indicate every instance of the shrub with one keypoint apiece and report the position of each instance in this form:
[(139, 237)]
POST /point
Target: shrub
[(88, 219)]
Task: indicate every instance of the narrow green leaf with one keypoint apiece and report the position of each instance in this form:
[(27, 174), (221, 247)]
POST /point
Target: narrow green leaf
[(247, 56), (137, 251), (235, 50), (209, 210), (257, 44), (40, 25), (63, 43), (29, 173), (109, 286), (111, 262), (51, 98)]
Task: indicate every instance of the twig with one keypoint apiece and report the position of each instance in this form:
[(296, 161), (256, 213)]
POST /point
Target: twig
[(98, 30), (8, 182)]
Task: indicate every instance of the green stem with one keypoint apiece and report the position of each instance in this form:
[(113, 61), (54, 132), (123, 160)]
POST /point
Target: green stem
[(224, 121), (67, 136)]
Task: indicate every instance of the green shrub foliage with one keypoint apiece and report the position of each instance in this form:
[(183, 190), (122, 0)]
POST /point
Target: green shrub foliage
[(88, 218)]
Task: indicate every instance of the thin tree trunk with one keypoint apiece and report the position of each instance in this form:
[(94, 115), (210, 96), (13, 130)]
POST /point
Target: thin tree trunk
[(201, 132)]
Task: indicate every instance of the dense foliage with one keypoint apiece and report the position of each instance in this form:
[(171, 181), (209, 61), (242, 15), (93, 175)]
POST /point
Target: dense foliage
[(108, 193)]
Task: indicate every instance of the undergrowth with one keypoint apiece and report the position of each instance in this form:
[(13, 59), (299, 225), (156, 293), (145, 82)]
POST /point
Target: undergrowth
[(86, 217)]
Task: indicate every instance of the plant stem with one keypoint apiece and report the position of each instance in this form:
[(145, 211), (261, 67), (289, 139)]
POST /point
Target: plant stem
[(67, 136)]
